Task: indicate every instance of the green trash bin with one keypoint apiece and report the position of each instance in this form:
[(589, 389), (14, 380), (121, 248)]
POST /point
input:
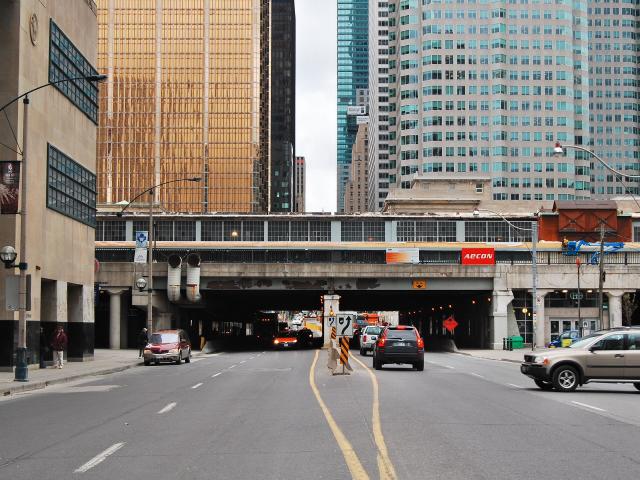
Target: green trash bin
[(517, 342)]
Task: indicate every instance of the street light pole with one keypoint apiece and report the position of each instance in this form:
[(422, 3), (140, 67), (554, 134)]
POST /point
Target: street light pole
[(601, 279), (579, 300)]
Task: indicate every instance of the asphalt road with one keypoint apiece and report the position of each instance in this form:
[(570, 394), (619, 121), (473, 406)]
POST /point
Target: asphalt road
[(257, 415)]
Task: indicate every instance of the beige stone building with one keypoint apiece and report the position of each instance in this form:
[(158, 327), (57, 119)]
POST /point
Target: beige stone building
[(355, 197), (43, 42)]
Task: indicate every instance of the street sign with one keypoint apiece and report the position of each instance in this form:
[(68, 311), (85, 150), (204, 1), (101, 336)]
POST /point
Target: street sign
[(345, 325), (142, 238), (450, 324), (140, 256), (332, 321), (419, 284), (576, 296)]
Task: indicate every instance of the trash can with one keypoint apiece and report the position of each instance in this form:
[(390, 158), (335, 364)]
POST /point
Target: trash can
[(517, 342)]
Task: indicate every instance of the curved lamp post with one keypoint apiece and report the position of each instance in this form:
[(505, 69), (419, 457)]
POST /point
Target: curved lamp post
[(22, 368), (139, 283), (534, 266)]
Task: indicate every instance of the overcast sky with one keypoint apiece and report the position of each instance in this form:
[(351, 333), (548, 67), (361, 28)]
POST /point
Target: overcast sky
[(316, 85)]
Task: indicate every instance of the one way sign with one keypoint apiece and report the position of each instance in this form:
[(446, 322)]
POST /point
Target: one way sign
[(345, 325)]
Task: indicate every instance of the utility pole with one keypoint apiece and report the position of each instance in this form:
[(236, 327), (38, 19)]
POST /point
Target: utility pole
[(601, 280), (534, 286), (150, 239), (579, 300)]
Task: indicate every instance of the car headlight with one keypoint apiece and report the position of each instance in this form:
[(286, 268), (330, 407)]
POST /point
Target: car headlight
[(174, 350), (541, 360), (146, 350)]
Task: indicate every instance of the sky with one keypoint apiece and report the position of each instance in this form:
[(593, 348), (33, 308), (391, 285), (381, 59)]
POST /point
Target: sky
[(316, 86)]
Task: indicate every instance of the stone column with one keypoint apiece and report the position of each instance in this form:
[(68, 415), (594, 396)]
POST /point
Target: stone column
[(542, 327), (81, 322), (331, 306), (500, 301), (615, 308), (115, 317)]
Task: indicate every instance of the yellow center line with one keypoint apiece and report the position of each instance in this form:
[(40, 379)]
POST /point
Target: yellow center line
[(353, 463), (385, 467)]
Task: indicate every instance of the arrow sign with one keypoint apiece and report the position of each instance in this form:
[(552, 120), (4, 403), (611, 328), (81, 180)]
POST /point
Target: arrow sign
[(450, 324), (345, 325)]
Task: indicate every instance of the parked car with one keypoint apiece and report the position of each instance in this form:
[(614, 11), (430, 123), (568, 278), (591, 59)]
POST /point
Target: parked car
[(565, 339), (368, 339), (401, 344), (610, 356), (168, 346)]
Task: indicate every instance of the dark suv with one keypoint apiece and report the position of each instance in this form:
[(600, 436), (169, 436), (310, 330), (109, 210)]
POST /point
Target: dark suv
[(401, 344)]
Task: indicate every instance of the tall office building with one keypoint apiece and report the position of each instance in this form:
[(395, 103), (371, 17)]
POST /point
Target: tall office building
[(378, 156), (300, 184), (488, 88), (353, 83), (355, 197), (283, 105), (187, 96)]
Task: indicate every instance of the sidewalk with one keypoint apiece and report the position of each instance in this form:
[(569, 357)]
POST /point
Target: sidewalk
[(515, 356), (105, 361)]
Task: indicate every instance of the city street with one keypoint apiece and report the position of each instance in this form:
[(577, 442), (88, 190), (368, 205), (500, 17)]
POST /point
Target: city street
[(261, 415)]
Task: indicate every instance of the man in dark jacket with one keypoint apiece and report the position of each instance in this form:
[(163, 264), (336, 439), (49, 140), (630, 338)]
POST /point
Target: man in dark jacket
[(143, 339), (59, 344)]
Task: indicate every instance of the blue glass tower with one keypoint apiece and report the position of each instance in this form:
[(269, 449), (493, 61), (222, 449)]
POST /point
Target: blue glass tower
[(353, 76)]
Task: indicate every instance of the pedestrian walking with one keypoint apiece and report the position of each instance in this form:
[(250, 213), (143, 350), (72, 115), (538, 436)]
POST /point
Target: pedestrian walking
[(143, 339), (58, 344)]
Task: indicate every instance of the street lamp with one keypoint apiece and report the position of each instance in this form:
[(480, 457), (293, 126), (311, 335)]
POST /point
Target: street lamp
[(8, 256), (141, 284), (150, 243), (559, 151), (22, 367), (534, 267)]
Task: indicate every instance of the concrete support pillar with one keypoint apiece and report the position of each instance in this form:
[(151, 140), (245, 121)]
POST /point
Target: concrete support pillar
[(331, 309), (115, 317), (542, 327), (500, 301), (615, 308), (80, 312)]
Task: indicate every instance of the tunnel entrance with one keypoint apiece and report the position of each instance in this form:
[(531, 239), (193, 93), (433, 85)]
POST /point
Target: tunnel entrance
[(244, 319)]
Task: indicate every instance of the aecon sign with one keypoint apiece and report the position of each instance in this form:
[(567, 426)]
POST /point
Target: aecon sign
[(478, 256)]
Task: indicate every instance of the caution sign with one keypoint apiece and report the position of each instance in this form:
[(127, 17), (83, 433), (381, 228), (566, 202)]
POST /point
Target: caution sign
[(345, 325), (333, 333), (419, 284), (344, 351)]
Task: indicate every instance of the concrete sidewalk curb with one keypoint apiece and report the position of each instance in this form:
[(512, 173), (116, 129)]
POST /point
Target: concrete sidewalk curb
[(30, 386), (510, 360)]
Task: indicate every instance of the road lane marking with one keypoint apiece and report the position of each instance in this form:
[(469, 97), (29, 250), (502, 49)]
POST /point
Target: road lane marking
[(101, 457), (232, 366), (589, 406), (243, 361), (214, 376), (448, 366), (197, 385), (351, 458), (385, 466), (168, 408), (514, 385), (477, 375)]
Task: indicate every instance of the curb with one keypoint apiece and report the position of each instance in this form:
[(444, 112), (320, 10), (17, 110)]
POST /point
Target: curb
[(27, 387), (510, 360)]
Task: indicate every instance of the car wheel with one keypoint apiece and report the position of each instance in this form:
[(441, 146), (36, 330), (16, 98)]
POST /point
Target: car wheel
[(147, 363), (179, 360), (363, 352), (637, 385), (157, 362), (419, 366), (188, 359), (565, 378), (544, 385)]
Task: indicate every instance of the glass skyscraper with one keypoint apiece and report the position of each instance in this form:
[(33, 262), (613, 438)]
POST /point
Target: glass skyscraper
[(353, 79), (487, 86)]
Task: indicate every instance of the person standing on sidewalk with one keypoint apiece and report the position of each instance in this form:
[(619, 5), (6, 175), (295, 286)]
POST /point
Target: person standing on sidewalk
[(58, 344), (143, 339)]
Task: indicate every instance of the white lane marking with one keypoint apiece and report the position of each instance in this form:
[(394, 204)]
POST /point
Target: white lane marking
[(101, 457), (168, 408), (251, 358), (197, 385), (440, 364), (243, 361), (232, 366), (588, 406), (214, 376), (514, 385), (477, 375), (448, 366)]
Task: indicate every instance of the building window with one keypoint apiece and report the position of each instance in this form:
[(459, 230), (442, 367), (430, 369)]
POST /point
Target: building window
[(66, 61), (351, 231), (164, 231), (71, 188), (406, 231), (185, 231), (139, 226), (211, 231), (278, 231), (373, 231), (320, 231), (232, 231), (636, 233), (253, 231), (113, 231), (299, 231)]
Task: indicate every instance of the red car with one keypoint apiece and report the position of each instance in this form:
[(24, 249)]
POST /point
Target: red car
[(285, 339), (168, 346)]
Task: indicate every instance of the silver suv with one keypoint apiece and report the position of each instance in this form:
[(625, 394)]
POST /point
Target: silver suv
[(611, 356), (368, 338)]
